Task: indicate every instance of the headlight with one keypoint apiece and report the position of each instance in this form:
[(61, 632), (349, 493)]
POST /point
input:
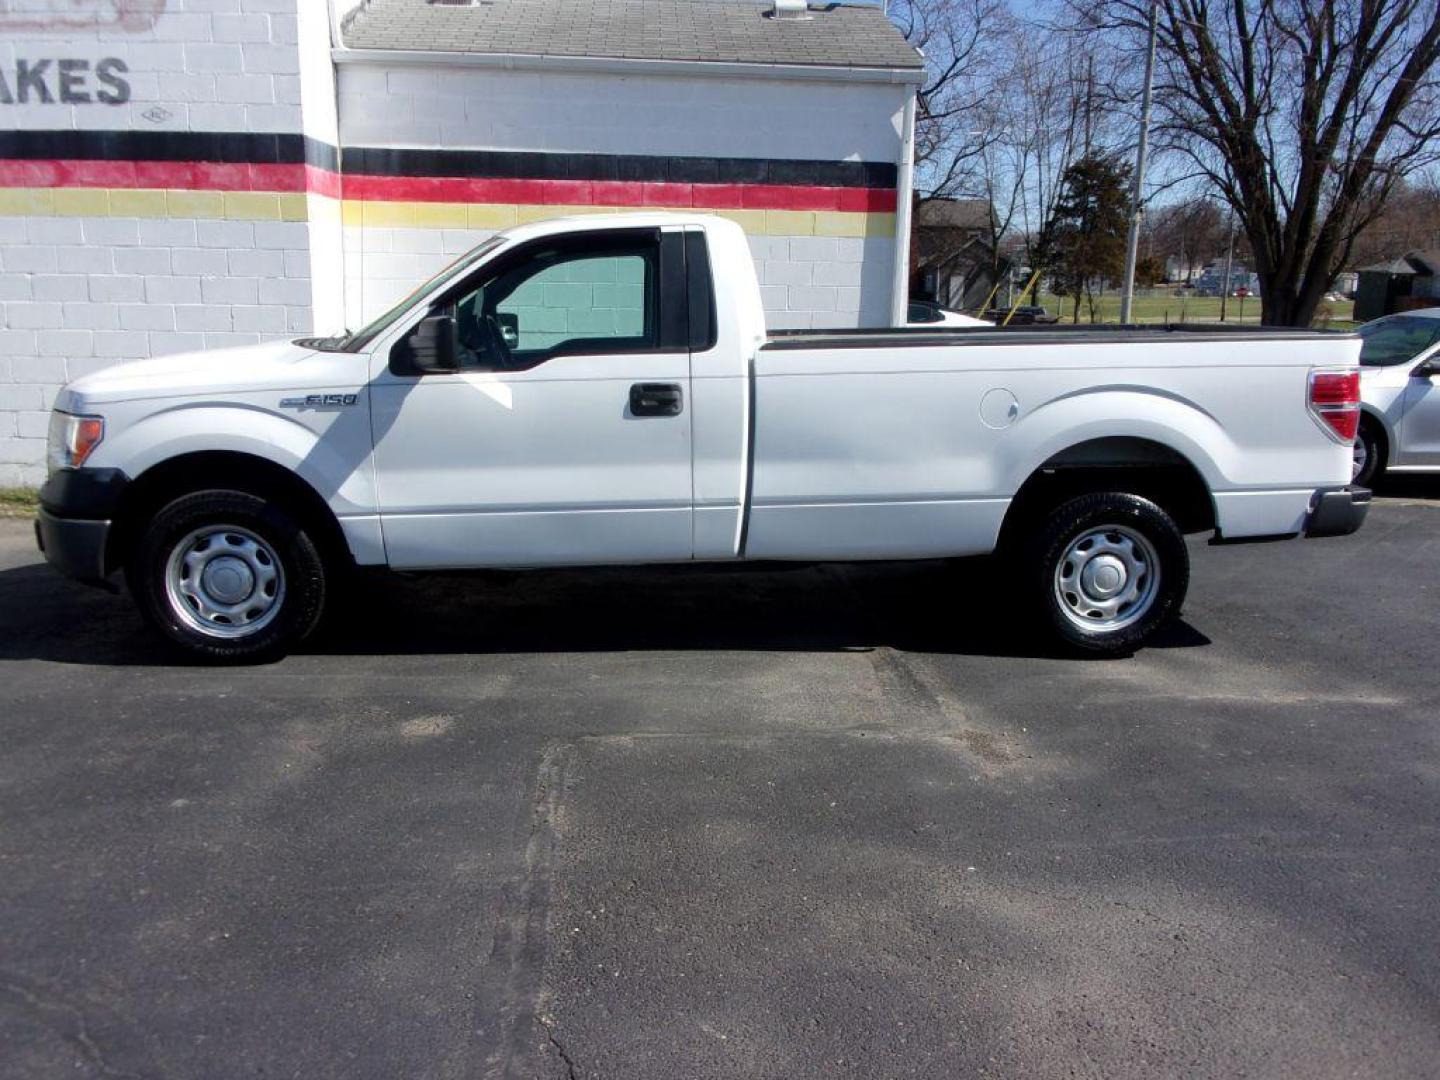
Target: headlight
[(72, 438)]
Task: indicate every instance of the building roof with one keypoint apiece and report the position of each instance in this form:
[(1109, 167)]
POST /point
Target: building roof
[(716, 31), (1424, 262), (942, 213), (1391, 266)]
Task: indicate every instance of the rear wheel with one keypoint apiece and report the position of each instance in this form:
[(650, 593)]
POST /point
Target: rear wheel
[(1106, 570), (228, 576), (1368, 464)]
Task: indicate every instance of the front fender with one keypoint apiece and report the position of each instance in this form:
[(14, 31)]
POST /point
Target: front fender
[(329, 451)]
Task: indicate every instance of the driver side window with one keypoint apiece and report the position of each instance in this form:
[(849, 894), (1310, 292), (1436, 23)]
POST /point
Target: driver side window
[(594, 296)]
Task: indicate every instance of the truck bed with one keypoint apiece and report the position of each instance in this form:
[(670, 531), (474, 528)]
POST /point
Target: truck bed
[(919, 337)]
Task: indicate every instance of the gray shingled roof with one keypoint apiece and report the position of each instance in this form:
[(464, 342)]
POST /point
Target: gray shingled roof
[(725, 31)]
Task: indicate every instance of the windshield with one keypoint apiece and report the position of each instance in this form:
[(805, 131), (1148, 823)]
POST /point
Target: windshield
[(1397, 339), (358, 339)]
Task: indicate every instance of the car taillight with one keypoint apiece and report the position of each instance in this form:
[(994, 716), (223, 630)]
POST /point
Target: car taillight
[(1335, 402)]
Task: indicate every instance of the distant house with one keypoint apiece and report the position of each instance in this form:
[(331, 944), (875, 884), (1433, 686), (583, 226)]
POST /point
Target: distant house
[(1403, 284), (1182, 268), (953, 262)]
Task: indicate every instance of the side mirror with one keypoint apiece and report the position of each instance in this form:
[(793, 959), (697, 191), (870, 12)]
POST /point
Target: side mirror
[(509, 328), (432, 346), (1429, 369)]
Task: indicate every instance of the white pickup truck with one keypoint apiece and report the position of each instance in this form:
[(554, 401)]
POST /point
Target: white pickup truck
[(602, 390)]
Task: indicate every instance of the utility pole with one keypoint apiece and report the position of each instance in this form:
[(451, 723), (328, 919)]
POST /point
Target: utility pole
[(1229, 258), (1137, 211)]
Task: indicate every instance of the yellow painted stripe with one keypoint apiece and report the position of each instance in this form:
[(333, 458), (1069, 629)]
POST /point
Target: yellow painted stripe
[(428, 215), (295, 206), (158, 203)]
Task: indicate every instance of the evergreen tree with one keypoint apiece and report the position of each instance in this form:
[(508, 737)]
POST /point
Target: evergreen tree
[(1084, 242)]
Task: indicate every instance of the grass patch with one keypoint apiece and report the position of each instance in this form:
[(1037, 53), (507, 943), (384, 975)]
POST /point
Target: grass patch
[(18, 502), (1188, 309)]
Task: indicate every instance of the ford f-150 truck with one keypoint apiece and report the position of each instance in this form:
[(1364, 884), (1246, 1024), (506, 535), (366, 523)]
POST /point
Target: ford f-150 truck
[(602, 390)]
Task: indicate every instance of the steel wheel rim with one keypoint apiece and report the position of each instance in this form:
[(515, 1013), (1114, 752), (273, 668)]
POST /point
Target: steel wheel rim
[(224, 581), (1107, 578), (1359, 459)]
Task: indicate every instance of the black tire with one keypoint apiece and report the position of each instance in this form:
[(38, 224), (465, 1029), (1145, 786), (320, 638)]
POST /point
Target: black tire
[(1158, 598), (292, 601), (1370, 440)]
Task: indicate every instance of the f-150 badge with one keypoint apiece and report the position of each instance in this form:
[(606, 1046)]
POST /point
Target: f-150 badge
[(318, 401)]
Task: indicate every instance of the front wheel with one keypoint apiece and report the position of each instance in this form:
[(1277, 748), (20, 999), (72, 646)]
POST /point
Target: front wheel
[(228, 576), (1107, 570)]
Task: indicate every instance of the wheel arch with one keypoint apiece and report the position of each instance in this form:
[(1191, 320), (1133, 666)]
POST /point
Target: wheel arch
[(1139, 466), (1381, 423), (201, 470)]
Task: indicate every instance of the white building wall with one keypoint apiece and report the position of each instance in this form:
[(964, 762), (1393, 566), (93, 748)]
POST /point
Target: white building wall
[(566, 112), (91, 275), (808, 280)]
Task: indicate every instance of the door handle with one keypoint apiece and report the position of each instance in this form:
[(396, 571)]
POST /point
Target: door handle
[(656, 399)]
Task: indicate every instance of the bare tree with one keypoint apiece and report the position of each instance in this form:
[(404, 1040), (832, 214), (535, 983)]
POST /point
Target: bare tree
[(958, 39), (1305, 114), (1409, 221), (1193, 231), (1046, 113)]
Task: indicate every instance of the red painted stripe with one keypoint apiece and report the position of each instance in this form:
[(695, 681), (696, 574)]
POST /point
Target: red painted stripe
[(216, 176), (616, 193), (182, 175), (322, 181), (221, 176), (660, 194)]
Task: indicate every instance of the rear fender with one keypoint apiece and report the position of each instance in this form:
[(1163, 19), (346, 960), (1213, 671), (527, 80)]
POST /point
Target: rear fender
[(1118, 412)]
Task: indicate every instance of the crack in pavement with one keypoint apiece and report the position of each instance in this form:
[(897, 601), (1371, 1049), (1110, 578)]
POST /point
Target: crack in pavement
[(517, 956), (571, 1072)]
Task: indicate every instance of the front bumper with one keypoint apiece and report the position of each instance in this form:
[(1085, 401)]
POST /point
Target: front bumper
[(73, 525), (74, 547), (1338, 513)]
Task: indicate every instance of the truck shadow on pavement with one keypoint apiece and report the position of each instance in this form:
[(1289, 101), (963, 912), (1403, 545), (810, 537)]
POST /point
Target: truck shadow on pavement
[(962, 607)]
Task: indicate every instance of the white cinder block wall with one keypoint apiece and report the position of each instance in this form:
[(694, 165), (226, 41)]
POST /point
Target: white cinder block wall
[(104, 260)]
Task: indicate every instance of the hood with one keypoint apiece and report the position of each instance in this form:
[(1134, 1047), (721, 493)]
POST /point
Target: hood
[(271, 365)]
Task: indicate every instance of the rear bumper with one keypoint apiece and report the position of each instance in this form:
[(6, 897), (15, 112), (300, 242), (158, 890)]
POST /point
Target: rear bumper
[(73, 546), (1338, 513)]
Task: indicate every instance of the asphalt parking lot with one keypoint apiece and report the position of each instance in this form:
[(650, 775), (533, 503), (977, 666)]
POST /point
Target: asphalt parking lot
[(826, 822)]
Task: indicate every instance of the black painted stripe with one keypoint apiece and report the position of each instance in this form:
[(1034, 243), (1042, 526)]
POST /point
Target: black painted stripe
[(263, 148), (228, 147), (517, 165)]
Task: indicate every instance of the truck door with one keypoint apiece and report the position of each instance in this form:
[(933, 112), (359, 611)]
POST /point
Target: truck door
[(564, 435)]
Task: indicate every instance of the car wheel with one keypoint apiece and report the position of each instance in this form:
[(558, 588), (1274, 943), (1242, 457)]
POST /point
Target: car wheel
[(228, 576), (1368, 464), (1107, 570)]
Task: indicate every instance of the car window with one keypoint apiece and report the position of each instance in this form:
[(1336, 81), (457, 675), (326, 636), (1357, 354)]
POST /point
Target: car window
[(592, 297), (587, 299), (1397, 339)]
